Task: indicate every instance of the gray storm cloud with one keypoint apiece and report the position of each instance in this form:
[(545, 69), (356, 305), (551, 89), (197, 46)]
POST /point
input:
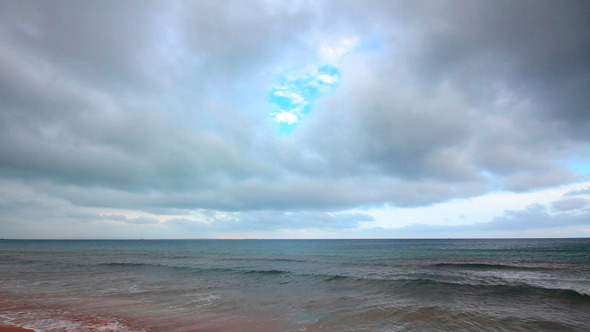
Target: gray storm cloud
[(160, 106)]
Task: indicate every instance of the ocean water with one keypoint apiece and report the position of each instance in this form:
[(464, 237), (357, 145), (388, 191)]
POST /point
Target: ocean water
[(296, 285)]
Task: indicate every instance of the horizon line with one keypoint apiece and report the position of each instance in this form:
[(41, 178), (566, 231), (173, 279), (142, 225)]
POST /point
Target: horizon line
[(288, 239)]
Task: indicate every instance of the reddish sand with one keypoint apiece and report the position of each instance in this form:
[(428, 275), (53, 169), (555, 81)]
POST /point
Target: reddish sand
[(107, 315), (10, 328)]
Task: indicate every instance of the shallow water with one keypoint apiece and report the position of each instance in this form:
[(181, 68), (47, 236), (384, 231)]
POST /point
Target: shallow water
[(296, 285)]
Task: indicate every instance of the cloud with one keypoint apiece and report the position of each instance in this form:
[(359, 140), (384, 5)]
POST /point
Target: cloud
[(292, 96), (512, 223), (165, 106), (94, 43), (269, 221), (441, 110), (534, 216), (568, 204), (332, 53), (288, 117), (136, 220), (585, 191)]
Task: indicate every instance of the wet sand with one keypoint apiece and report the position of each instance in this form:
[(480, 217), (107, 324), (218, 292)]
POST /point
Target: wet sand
[(95, 315), (11, 328)]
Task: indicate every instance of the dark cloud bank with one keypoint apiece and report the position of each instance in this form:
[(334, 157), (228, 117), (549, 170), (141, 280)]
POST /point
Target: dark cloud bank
[(160, 106)]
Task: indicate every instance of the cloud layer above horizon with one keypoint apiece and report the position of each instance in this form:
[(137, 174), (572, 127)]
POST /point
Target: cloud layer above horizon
[(293, 119)]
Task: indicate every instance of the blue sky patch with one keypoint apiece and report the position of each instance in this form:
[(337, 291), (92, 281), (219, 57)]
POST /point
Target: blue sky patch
[(294, 96), (580, 162)]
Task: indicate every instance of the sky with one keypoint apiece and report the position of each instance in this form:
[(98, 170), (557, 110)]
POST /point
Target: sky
[(294, 119)]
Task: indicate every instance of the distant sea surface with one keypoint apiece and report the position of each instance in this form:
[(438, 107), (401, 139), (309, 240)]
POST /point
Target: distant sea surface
[(296, 285)]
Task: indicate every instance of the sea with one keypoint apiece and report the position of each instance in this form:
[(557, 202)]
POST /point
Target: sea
[(296, 285)]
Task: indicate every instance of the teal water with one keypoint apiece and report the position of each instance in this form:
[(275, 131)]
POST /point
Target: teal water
[(297, 285)]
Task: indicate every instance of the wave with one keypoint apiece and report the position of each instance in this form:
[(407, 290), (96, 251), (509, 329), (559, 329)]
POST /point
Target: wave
[(49, 319), (123, 264), (26, 261), (405, 284), (483, 266), (197, 269), (267, 272), (262, 259), (402, 283), (513, 289), (338, 277), (166, 267), (285, 260)]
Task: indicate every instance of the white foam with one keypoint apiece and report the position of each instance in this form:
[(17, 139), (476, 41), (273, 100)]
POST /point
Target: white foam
[(45, 321)]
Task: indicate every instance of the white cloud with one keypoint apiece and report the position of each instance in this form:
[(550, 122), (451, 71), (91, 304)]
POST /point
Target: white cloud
[(328, 79), (289, 117), (293, 96), (332, 52)]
